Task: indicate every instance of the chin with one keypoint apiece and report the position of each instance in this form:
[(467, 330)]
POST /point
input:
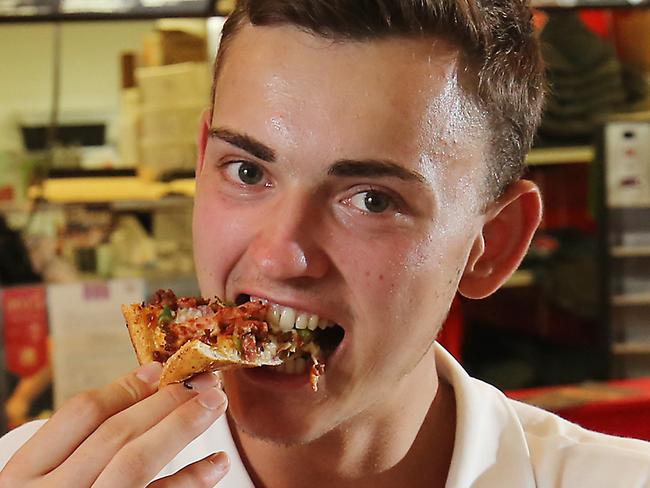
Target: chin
[(277, 418)]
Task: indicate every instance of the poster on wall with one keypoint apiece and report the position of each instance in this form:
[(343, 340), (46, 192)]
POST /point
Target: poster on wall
[(90, 342), (27, 377)]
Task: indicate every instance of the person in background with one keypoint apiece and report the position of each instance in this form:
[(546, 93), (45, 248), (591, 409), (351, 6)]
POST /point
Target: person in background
[(15, 265), (362, 162)]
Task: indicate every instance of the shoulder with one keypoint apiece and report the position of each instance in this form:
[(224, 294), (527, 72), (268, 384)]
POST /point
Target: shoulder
[(565, 454), (13, 440)]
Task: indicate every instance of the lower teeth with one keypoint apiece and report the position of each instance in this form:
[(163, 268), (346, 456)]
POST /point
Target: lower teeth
[(293, 366)]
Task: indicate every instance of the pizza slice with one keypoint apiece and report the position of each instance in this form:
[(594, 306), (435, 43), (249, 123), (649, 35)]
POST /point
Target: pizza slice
[(192, 335)]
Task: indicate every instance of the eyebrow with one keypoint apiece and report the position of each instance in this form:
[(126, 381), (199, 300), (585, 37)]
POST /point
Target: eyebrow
[(244, 142), (374, 168), (343, 168)]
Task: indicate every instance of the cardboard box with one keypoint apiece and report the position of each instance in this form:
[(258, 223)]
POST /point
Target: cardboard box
[(174, 85), (162, 122), (171, 47), (162, 156)]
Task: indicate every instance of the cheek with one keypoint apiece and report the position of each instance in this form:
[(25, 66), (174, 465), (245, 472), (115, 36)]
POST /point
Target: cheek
[(404, 281), (219, 239)]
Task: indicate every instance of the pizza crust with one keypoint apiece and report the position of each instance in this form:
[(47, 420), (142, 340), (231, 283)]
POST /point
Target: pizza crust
[(142, 336), (196, 357)]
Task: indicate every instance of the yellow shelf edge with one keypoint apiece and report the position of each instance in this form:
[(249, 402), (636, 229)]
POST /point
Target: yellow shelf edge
[(630, 251), (631, 348), (520, 279), (632, 299), (561, 155)]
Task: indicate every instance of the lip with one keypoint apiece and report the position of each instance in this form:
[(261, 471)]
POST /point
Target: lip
[(267, 378)]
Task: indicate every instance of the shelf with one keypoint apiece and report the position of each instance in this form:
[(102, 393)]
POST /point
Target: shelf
[(109, 190), (631, 348), (31, 11), (630, 206), (102, 189), (589, 3), (561, 155), (630, 251), (520, 279), (631, 299)]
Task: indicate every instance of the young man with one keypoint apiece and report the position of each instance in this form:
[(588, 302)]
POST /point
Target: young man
[(361, 163)]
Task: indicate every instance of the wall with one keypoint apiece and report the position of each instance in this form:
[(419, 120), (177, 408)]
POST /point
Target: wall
[(90, 70)]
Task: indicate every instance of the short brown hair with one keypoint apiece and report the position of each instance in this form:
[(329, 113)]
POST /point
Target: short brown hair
[(496, 39)]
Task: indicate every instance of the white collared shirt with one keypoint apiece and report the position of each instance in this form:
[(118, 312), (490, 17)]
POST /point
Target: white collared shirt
[(500, 443)]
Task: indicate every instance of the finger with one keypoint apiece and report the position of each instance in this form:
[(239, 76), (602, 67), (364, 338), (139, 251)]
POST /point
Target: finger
[(91, 457), (141, 459), (205, 473), (79, 417)]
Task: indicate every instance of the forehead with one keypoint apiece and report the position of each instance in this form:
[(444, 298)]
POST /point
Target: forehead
[(397, 98)]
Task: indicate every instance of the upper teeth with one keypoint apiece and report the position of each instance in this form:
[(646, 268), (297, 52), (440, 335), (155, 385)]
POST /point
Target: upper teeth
[(287, 318)]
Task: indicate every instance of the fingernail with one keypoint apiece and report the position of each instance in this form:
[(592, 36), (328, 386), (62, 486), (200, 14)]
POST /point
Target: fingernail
[(220, 461), (212, 398), (149, 373), (203, 382)]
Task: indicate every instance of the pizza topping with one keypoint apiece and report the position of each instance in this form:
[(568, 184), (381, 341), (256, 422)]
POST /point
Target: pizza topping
[(165, 316), (257, 331), (305, 335), (165, 297)]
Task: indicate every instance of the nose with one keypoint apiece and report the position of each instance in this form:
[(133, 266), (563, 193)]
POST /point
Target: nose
[(289, 245)]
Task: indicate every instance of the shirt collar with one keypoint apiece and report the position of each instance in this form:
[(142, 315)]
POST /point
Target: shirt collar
[(490, 447)]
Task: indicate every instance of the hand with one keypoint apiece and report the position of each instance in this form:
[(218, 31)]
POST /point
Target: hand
[(123, 435)]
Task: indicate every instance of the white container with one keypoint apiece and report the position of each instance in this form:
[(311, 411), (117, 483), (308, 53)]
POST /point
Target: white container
[(628, 164)]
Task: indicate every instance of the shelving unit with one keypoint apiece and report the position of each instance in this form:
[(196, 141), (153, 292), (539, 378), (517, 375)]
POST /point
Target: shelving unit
[(625, 243), (99, 189)]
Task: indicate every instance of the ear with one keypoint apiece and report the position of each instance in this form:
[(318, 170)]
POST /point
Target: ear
[(202, 140), (504, 240)]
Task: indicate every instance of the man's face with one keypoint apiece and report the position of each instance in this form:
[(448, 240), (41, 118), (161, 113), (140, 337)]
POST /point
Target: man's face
[(344, 180)]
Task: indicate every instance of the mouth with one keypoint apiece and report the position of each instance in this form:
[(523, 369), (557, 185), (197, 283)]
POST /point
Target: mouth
[(324, 334)]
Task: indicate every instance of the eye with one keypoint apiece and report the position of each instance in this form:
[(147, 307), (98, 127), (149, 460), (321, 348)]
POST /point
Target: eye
[(245, 172), (372, 201)]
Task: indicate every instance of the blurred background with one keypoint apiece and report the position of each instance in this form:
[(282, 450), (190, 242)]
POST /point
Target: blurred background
[(99, 106)]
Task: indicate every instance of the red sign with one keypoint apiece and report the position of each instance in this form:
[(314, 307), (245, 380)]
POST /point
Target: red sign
[(24, 317)]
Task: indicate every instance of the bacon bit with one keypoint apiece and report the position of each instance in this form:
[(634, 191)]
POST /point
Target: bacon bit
[(249, 348), (160, 357), (242, 320), (191, 302), (316, 371), (165, 298)]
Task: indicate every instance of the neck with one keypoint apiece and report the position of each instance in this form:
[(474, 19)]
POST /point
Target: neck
[(403, 440)]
